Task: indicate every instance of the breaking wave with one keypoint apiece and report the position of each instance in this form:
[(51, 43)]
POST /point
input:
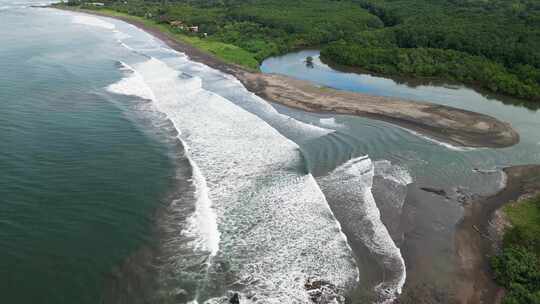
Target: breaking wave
[(92, 21), (233, 90), (24, 4), (256, 214), (265, 224), (202, 224), (349, 191), (397, 174)]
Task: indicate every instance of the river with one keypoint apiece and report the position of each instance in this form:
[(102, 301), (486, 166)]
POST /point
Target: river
[(425, 225)]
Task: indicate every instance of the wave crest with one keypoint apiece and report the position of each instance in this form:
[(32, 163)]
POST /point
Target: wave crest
[(92, 21), (275, 228), (349, 186)]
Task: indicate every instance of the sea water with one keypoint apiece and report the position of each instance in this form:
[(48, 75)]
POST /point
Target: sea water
[(81, 170), (153, 181), (134, 174), (422, 224)]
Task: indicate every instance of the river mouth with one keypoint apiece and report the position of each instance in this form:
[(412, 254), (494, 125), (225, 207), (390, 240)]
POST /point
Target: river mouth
[(446, 179), (417, 186)]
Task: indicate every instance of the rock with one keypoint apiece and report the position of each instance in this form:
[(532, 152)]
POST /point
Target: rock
[(235, 299), (440, 192)]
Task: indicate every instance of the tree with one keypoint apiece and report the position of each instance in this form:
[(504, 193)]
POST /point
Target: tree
[(309, 62)]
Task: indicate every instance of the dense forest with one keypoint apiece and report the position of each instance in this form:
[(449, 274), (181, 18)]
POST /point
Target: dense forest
[(517, 267), (494, 44)]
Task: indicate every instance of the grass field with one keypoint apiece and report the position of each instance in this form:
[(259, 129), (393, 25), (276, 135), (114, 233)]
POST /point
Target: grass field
[(525, 215)]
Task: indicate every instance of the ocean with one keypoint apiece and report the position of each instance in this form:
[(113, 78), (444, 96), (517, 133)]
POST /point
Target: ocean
[(82, 171), (131, 174)]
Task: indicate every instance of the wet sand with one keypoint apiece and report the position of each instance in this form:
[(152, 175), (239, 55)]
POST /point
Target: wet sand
[(475, 243), (451, 125)]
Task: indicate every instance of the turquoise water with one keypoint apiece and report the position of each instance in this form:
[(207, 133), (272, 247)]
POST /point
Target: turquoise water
[(80, 171)]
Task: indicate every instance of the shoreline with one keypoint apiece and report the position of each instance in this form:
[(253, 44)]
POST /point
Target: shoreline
[(450, 125), (474, 242), (475, 283), (413, 81)]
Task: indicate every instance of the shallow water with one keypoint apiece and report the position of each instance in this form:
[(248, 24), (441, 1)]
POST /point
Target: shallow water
[(428, 221), (252, 182), (237, 208), (105, 126)]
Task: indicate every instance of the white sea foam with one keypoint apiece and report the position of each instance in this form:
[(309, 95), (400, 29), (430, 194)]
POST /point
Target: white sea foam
[(126, 46), (232, 89), (120, 36), (440, 143), (503, 180), (203, 223), (391, 172), (275, 227), (133, 84), (350, 186), (502, 176), (92, 21), (331, 123)]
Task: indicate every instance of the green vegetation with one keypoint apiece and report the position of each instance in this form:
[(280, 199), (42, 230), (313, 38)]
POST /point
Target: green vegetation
[(259, 31), (255, 29), (494, 44), (434, 63), (517, 268), (228, 52)]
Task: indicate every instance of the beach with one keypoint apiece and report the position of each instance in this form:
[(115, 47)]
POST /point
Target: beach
[(139, 173), (475, 241), (447, 124), (450, 125)]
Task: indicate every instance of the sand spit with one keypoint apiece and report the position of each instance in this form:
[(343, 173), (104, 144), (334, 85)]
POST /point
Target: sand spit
[(450, 125)]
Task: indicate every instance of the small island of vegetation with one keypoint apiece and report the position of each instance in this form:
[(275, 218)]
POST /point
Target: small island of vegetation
[(492, 44)]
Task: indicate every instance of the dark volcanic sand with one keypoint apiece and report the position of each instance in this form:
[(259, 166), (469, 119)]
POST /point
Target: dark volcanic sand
[(473, 243)]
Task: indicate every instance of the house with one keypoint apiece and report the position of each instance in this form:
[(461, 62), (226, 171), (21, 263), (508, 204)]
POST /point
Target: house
[(181, 25), (178, 24), (97, 4)]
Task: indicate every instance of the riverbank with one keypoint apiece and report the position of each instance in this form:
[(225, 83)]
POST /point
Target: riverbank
[(475, 243), (447, 124)]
